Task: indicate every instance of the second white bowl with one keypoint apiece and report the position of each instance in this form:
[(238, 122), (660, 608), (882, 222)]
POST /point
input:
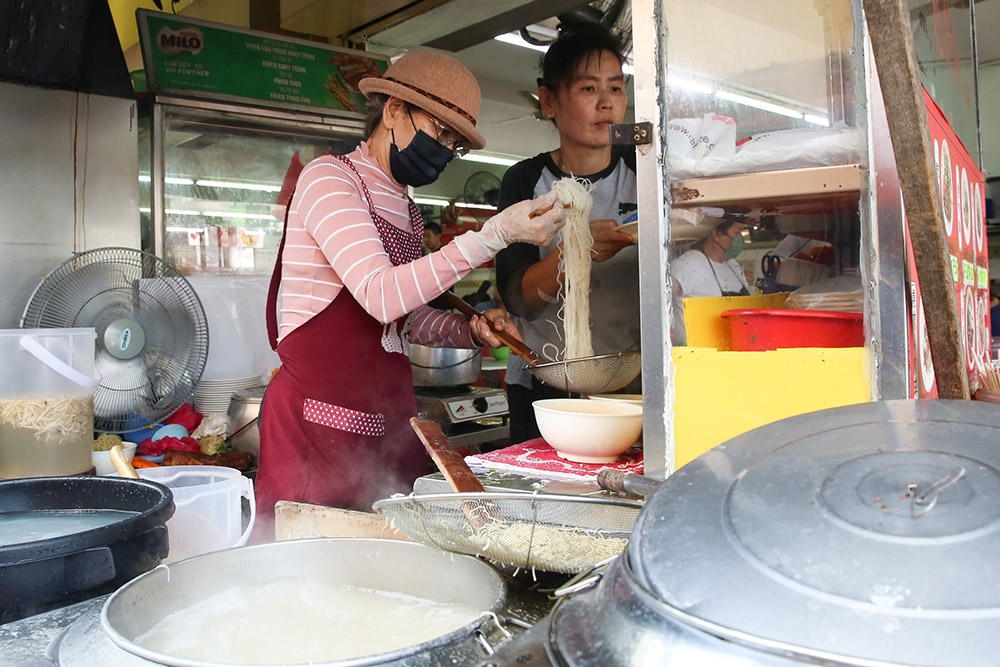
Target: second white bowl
[(102, 460), (588, 431)]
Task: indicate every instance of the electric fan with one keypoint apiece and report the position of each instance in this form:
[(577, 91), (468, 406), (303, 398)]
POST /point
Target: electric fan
[(152, 334), (481, 193)]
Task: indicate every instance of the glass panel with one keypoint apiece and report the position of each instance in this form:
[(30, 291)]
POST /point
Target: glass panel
[(765, 86), (768, 65), (222, 182), (942, 38)]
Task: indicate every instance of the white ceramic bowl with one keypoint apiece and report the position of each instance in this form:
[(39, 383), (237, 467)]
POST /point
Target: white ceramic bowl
[(632, 229), (632, 399), (102, 460), (588, 431)]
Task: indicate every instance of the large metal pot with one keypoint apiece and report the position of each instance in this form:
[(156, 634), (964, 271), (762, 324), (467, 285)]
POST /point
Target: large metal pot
[(52, 572), (388, 565), (444, 366), (853, 536), (244, 409)]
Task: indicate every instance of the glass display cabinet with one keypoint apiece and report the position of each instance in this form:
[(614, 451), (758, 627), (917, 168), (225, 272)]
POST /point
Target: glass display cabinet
[(220, 170), (770, 113), (227, 113)]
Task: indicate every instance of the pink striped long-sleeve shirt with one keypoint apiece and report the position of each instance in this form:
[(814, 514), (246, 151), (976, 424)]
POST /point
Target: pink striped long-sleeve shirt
[(331, 243)]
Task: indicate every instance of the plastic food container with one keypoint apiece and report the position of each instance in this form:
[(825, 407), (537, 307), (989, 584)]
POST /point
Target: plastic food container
[(209, 508), (770, 329), (47, 384)]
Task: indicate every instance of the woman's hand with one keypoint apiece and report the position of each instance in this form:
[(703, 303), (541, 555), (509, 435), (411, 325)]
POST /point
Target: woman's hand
[(484, 324), (608, 241), (524, 223)]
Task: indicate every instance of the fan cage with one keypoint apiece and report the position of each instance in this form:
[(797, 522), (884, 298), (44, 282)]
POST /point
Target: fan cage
[(101, 287)]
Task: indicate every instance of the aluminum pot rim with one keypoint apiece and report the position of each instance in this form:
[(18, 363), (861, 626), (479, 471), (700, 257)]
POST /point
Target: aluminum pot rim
[(387, 657), (419, 362), (678, 626), (463, 365)]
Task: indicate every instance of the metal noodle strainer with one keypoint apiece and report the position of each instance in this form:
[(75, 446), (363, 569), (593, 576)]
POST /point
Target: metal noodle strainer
[(598, 374), (533, 531)]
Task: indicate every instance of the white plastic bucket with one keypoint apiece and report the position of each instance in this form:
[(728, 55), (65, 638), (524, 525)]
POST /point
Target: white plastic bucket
[(208, 515), (47, 384)]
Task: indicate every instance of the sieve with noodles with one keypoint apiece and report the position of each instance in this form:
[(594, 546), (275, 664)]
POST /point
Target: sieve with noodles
[(597, 374), (532, 531)]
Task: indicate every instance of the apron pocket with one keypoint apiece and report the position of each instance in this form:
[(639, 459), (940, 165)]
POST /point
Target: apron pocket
[(344, 419)]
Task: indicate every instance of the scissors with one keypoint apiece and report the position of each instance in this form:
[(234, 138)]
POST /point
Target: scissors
[(769, 265)]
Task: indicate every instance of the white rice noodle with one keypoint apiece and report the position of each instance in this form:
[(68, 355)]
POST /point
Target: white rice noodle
[(59, 420), (574, 266)]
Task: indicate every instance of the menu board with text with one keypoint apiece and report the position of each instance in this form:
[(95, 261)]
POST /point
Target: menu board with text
[(191, 57)]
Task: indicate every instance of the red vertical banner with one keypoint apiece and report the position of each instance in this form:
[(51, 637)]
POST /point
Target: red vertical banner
[(963, 210)]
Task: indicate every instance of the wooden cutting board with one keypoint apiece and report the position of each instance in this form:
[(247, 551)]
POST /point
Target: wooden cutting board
[(296, 521)]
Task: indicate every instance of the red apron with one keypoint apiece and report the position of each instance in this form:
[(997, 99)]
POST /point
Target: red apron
[(334, 423)]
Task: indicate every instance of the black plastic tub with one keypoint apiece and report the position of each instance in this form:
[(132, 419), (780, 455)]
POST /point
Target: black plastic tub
[(49, 573)]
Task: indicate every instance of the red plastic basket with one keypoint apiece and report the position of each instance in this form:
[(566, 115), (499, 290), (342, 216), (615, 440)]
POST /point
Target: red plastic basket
[(770, 329)]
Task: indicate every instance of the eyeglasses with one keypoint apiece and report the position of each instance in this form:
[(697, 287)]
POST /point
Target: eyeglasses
[(447, 137)]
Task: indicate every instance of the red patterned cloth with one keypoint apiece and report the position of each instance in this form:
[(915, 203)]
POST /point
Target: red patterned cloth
[(538, 459), (186, 416), (150, 447)]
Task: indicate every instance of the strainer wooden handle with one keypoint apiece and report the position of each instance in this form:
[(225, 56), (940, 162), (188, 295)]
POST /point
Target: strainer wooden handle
[(451, 463), (454, 468), (516, 346)]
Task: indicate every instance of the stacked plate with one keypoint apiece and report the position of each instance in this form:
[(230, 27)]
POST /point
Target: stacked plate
[(214, 395)]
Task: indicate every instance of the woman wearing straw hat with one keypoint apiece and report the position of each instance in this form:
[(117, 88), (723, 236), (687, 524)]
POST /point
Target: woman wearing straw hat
[(335, 420), (709, 268)]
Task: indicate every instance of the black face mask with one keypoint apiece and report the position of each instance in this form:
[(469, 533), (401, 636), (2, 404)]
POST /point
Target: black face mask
[(419, 163)]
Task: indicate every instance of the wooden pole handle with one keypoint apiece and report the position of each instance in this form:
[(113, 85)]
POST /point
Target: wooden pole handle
[(543, 211), (448, 460), (454, 468)]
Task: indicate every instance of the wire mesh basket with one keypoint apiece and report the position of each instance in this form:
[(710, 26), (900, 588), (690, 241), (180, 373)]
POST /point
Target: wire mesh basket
[(536, 531), (590, 375)]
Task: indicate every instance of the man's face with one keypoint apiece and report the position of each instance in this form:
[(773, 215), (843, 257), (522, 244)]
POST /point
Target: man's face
[(432, 240)]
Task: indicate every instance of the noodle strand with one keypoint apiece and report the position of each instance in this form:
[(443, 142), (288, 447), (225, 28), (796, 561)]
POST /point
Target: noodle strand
[(574, 266)]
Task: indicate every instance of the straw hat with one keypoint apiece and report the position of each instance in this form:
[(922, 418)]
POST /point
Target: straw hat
[(438, 84)]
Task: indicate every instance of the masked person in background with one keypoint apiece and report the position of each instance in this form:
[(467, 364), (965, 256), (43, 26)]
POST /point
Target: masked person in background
[(334, 423), (582, 90), (709, 268)]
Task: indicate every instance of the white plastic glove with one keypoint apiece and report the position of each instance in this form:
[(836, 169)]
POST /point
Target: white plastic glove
[(514, 224)]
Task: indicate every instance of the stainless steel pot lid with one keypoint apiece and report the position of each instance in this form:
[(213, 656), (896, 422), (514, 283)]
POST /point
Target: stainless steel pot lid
[(866, 531)]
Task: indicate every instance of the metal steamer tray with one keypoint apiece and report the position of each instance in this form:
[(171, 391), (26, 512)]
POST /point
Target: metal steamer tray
[(531, 531)]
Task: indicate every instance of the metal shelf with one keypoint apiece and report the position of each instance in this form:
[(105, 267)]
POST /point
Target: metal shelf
[(784, 191)]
